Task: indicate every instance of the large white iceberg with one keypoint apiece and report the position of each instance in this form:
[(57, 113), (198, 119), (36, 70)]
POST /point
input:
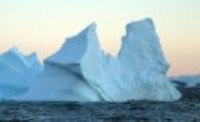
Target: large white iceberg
[(16, 70), (80, 71)]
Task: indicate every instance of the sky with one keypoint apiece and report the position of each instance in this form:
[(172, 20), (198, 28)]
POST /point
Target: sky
[(43, 25)]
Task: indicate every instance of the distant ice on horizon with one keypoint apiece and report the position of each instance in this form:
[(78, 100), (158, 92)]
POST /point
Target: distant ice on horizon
[(189, 81)]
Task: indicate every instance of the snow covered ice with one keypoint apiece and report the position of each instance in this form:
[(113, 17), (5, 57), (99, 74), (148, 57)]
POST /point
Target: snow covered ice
[(16, 70), (81, 71), (62, 78), (137, 73)]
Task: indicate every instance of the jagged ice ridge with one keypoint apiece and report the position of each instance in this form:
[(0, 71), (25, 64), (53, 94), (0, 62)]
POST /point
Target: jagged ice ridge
[(81, 71)]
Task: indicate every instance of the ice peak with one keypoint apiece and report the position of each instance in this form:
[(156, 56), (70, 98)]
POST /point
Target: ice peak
[(91, 27), (77, 45), (14, 50), (141, 26)]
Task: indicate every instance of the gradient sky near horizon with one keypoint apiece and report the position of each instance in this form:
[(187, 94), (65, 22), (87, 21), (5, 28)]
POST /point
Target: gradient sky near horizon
[(42, 26)]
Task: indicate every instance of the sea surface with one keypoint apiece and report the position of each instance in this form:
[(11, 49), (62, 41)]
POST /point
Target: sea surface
[(185, 110)]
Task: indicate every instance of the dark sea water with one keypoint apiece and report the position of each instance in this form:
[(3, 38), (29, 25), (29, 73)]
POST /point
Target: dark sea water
[(185, 110)]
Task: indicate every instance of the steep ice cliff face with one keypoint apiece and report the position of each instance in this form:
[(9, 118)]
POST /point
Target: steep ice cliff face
[(80, 71), (139, 71), (16, 71), (141, 50)]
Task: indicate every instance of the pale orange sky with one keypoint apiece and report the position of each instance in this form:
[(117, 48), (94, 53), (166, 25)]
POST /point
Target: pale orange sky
[(42, 26)]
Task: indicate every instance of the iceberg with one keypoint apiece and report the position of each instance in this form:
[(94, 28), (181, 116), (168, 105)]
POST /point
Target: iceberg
[(16, 71), (137, 73), (62, 78), (81, 71)]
